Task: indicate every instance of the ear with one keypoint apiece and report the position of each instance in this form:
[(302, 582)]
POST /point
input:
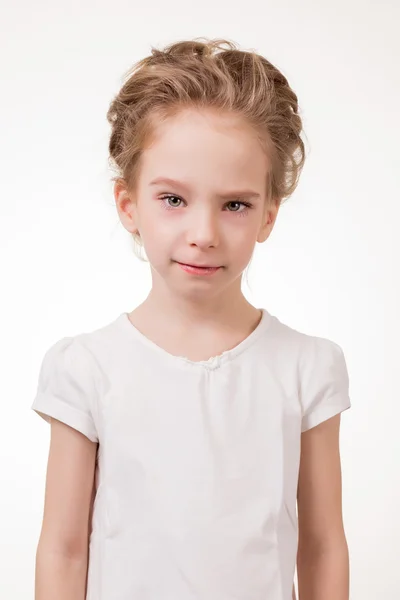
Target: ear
[(268, 221), (125, 202)]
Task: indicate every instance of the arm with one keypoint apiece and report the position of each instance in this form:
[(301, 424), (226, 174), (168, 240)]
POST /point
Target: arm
[(322, 558), (62, 552)]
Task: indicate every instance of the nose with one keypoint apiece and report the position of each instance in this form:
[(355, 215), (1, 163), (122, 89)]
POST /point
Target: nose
[(203, 229)]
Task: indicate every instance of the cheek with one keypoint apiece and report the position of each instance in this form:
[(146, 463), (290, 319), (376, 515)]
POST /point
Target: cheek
[(242, 246), (153, 227), (157, 239), (243, 237)]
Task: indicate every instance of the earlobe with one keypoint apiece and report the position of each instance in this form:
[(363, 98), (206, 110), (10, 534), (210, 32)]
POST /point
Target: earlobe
[(268, 225), (126, 208), (266, 228), (262, 237)]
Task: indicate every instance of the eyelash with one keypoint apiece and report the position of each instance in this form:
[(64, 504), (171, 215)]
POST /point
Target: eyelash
[(247, 205)]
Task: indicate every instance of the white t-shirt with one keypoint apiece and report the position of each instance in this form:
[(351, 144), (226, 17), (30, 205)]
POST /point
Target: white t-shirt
[(197, 468)]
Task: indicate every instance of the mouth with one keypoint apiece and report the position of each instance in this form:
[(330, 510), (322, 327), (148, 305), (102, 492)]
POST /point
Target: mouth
[(198, 269), (195, 266)]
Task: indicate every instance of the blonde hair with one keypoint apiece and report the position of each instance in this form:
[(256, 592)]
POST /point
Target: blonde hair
[(215, 74)]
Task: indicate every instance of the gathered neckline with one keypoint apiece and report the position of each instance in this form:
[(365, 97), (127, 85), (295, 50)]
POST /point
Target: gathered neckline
[(210, 363)]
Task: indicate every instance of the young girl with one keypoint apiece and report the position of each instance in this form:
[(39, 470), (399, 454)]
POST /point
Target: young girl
[(194, 447)]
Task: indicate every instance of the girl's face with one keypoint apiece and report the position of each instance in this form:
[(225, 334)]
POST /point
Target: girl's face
[(200, 200)]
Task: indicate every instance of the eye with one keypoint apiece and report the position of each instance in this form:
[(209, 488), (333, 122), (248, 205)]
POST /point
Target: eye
[(167, 197), (246, 205)]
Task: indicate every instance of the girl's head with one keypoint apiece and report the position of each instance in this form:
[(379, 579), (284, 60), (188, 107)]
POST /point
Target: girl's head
[(206, 143)]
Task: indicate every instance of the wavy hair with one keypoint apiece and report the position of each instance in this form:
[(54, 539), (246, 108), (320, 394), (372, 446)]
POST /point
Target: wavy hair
[(204, 73)]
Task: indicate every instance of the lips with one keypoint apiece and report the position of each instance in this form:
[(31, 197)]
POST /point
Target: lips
[(200, 266)]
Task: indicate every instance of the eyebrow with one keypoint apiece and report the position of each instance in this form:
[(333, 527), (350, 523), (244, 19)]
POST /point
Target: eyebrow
[(179, 184)]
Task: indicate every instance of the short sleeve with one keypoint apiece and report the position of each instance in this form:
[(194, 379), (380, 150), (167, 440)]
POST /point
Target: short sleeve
[(324, 382), (66, 387)]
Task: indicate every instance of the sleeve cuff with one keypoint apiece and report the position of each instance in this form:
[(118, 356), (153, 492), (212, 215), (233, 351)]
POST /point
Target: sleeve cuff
[(337, 404), (52, 407)]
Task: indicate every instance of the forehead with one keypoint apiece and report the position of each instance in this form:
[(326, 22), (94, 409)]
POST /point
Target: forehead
[(205, 144)]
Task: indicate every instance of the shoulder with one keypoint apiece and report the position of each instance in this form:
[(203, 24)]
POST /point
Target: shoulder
[(104, 344), (68, 386), (321, 372), (309, 348), (68, 354), (73, 361)]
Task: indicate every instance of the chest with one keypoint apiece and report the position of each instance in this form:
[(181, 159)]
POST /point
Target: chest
[(192, 447), (237, 419)]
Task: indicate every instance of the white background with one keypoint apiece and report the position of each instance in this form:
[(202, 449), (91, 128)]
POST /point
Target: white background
[(330, 267)]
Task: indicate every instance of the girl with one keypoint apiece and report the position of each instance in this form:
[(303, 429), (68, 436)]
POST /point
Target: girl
[(194, 447)]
